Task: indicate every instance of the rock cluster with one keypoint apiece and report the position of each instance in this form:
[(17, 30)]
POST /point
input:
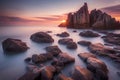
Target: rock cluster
[(63, 34), (89, 34), (96, 19)]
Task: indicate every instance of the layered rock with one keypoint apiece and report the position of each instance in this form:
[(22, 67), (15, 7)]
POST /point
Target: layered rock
[(96, 19), (79, 18)]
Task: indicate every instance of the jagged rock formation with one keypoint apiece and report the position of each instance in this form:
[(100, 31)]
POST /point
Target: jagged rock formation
[(96, 19)]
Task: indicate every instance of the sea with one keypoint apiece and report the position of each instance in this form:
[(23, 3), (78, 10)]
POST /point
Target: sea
[(13, 66)]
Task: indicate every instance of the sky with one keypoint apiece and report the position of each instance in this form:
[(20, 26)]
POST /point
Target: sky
[(49, 12)]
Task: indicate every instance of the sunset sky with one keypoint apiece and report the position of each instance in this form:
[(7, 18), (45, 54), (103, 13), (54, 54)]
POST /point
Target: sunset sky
[(49, 12)]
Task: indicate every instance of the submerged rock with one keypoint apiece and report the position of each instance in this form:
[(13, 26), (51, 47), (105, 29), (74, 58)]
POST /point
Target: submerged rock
[(54, 50), (41, 37), (81, 74), (63, 34), (14, 45), (84, 43), (89, 34)]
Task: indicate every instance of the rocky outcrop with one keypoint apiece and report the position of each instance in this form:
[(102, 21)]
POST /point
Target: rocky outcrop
[(95, 20), (41, 37), (89, 34), (54, 50), (14, 45), (79, 18), (82, 74)]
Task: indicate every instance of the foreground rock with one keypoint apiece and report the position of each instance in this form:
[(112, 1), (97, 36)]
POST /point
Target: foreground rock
[(63, 34), (41, 37), (14, 45), (89, 34), (84, 43), (82, 74), (98, 67), (86, 55), (63, 77), (42, 57), (63, 59), (72, 45), (54, 50)]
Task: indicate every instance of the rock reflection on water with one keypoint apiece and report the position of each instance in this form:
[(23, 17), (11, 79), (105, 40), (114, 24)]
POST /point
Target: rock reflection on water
[(13, 66)]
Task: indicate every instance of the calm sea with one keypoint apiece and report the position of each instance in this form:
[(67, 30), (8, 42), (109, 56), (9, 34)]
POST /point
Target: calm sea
[(13, 66)]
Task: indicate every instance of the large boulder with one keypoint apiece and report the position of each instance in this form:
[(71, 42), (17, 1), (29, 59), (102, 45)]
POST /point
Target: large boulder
[(54, 50), (63, 34), (98, 67), (41, 37), (14, 45), (81, 74), (86, 55), (65, 41), (89, 34), (84, 43), (42, 57), (63, 77)]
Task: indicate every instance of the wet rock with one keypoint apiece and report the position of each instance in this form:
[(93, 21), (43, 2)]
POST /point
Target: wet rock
[(42, 57), (63, 34), (63, 59), (14, 45), (84, 43), (63, 77), (89, 34), (100, 49), (86, 55), (81, 74), (54, 50), (28, 59), (98, 67), (75, 31), (41, 37), (29, 76), (65, 41), (72, 45), (47, 73)]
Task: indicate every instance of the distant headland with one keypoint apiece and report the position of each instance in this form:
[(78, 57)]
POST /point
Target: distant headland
[(96, 19)]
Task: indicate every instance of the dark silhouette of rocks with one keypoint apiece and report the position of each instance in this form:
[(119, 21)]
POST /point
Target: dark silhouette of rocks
[(84, 43), (14, 45), (96, 19), (41, 37)]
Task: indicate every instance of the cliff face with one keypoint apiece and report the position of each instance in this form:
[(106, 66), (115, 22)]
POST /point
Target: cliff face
[(79, 18), (96, 19)]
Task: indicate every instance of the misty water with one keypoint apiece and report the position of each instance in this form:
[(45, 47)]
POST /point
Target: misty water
[(13, 66)]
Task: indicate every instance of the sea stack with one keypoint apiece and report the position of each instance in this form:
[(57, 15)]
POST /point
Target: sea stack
[(96, 19), (79, 18)]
